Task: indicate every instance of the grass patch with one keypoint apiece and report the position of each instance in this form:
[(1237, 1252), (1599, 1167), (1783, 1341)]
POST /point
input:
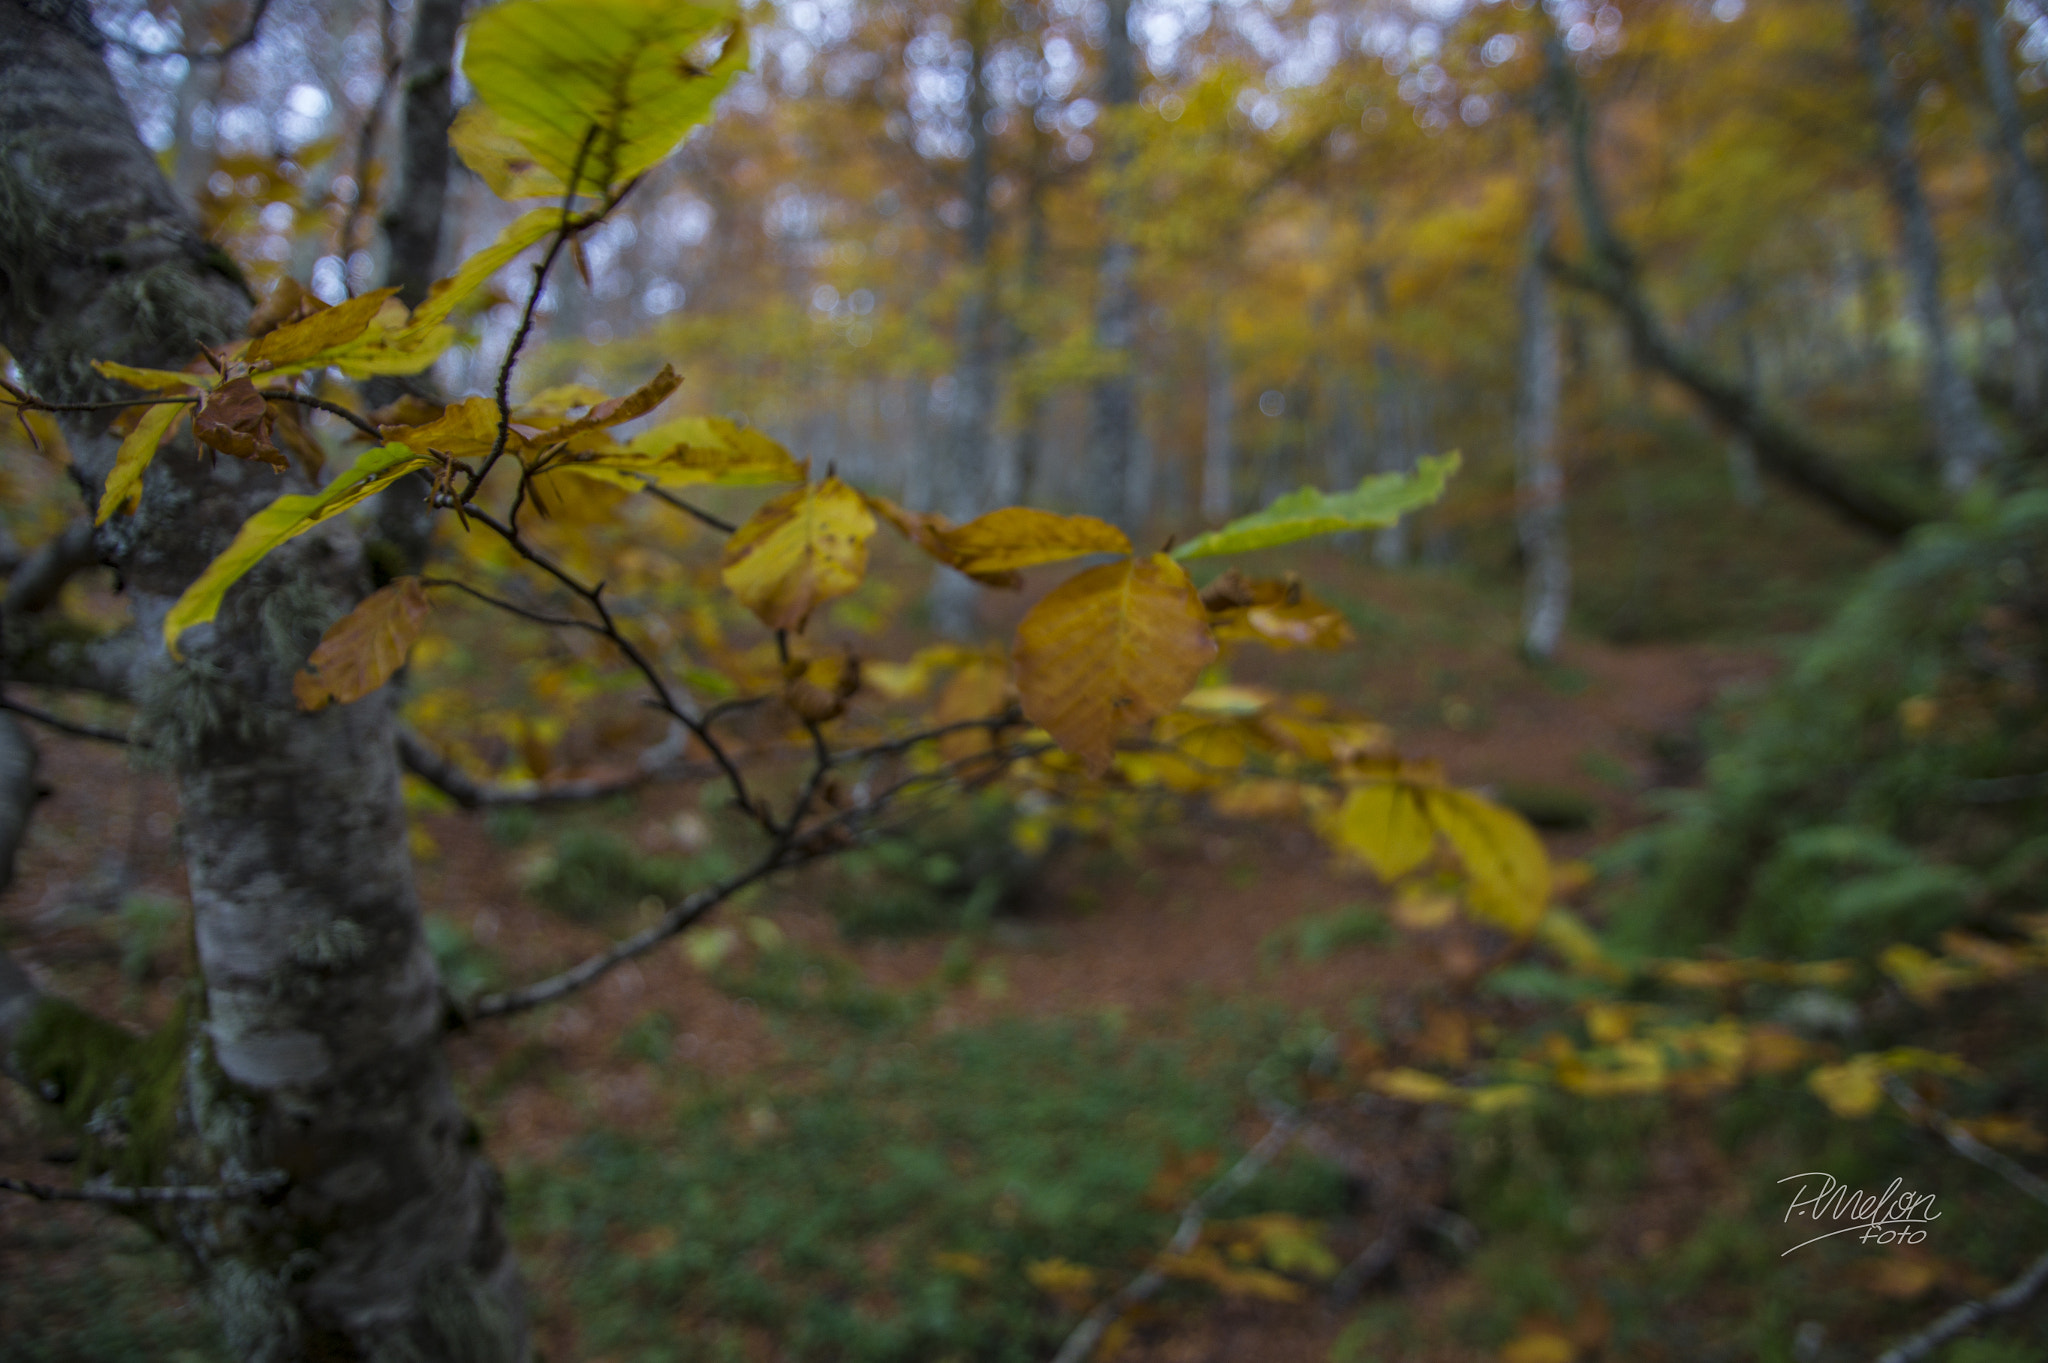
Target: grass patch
[(883, 1204)]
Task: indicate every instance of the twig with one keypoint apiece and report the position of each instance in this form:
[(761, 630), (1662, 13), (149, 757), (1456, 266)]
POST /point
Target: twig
[(421, 759), (662, 494), (1081, 1343), (213, 54), (366, 140), (63, 725), (1969, 1315), (1963, 1143), (692, 908), (137, 1197), (2014, 1294)]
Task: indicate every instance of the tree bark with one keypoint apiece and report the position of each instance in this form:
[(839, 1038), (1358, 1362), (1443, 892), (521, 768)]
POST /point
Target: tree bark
[(1114, 399), (2027, 196), (1963, 440), (1539, 476), (1219, 448), (966, 471), (1610, 274), (320, 1053)]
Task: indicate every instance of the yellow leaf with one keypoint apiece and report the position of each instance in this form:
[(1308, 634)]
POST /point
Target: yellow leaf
[(1415, 1086), (1538, 1346), (476, 271), (570, 494), (601, 89), (705, 449), (1565, 933), (155, 380), (1024, 537), (615, 411), (326, 330), (488, 147), (1207, 1266), (1385, 824), (1499, 1097), (1110, 647), (138, 448), (1278, 612), (359, 652), (1420, 909), (284, 519), (1510, 871), (1852, 1089), (799, 551), (1924, 978), (1060, 1277), (979, 690), (464, 428)]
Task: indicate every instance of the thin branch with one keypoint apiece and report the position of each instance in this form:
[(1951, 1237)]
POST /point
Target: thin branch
[(1081, 1343), (323, 405), (422, 760), (513, 608), (1963, 1143), (692, 908), (366, 139), (662, 494), (207, 54), (540, 279), (114, 1195), (1969, 1315), (62, 725)]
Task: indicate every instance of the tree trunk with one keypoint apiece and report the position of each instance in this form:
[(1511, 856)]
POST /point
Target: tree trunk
[(1539, 477), (1219, 449), (1116, 299), (2027, 200), (966, 471), (320, 1050), (1964, 442)]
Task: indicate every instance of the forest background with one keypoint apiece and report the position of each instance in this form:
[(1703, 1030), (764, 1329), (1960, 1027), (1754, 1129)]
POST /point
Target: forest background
[(1739, 316)]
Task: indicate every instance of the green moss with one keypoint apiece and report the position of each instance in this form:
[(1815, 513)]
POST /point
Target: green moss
[(120, 1092)]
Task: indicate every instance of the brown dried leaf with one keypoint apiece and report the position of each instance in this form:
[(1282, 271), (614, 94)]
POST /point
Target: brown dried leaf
[(360, 651)]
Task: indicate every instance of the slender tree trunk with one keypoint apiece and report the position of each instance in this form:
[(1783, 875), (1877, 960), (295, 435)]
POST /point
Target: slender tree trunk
[(1115, 399), (1742, 462), (320, 1051), (2027, 196), (967, 473), (1964, 441), (1539, 476), (1219, 447)]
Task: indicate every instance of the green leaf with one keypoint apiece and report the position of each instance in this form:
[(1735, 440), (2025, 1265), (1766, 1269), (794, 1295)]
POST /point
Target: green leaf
[(284, 519), (1378, 501), (627, 77)]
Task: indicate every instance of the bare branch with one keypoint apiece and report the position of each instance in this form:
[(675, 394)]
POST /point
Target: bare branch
[(235, 44), (1963, 1143), (44, 572), (421, 759), (1611, 276), (63, 725), (1081, 1343), (662, 494), (18, 792), (1970, 1315), (692, 908), (115, 1195)]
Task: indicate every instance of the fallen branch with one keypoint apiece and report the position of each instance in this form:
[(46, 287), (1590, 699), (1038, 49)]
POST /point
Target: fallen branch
[(1081, 1343), (1963, 1143), (1969, 1315)]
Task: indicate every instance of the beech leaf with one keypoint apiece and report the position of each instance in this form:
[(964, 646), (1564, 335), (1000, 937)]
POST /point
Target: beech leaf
[(1509, 869), (284, 519), (1111, 647), (799, 551), (132, 460), (360, 651), (1378, 501)]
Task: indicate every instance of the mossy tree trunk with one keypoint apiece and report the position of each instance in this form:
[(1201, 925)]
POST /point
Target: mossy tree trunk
[(318, 1051)]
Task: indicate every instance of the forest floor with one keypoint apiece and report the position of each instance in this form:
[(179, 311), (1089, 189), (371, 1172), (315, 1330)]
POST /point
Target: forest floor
[(1208, 940)]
